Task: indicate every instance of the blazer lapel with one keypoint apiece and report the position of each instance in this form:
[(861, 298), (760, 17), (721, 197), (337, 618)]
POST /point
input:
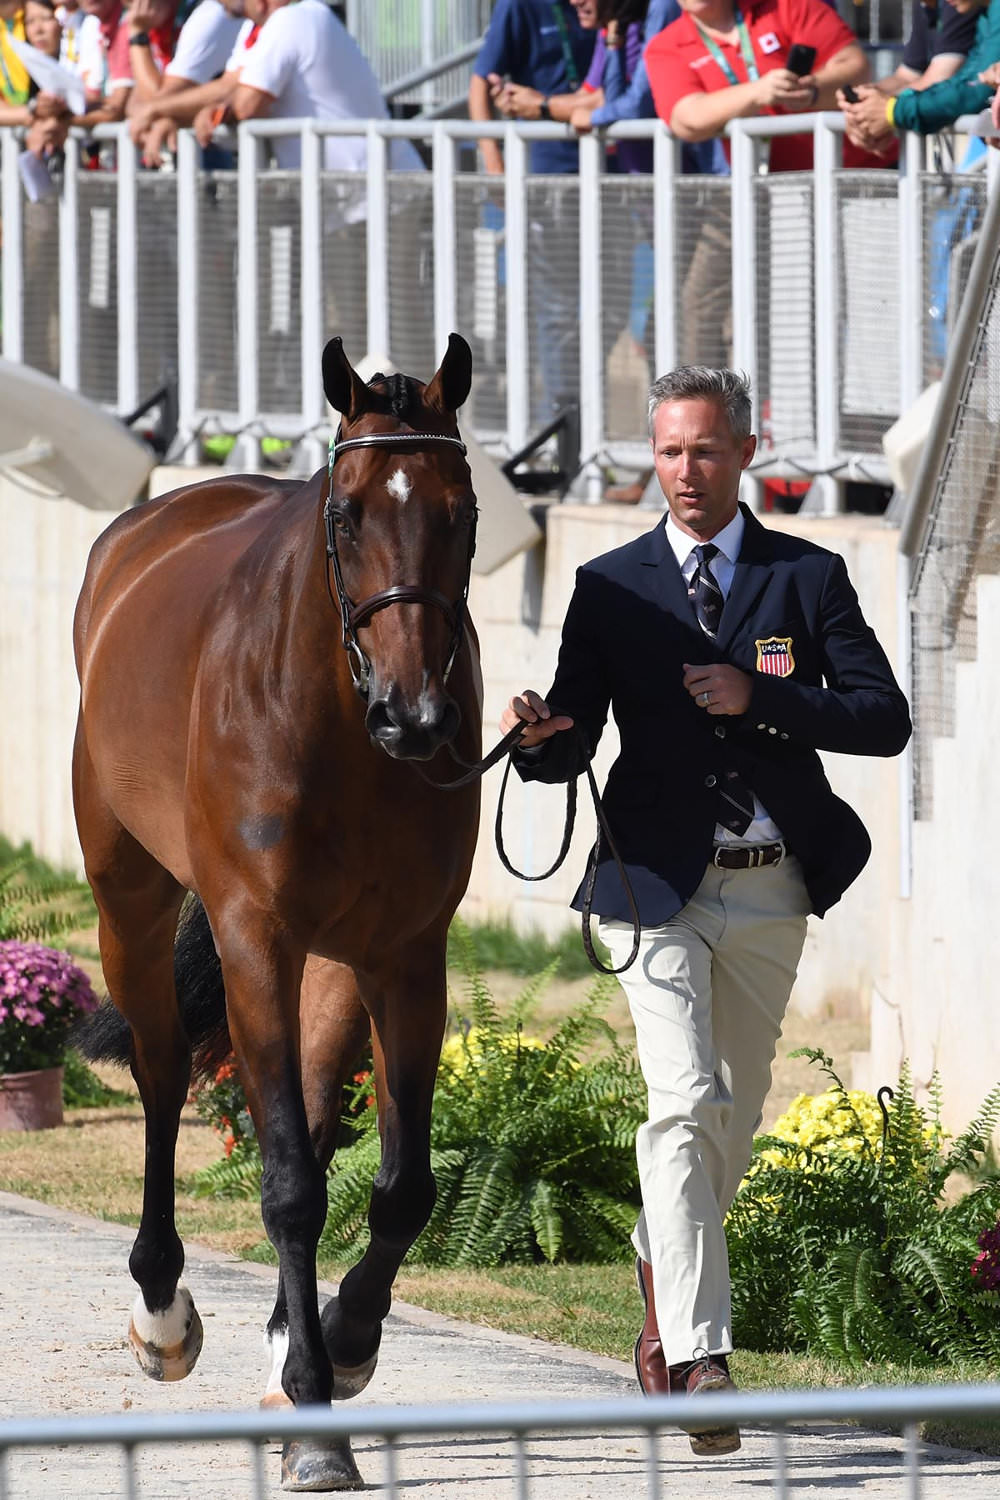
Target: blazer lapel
[(667, 582), (751, 576)]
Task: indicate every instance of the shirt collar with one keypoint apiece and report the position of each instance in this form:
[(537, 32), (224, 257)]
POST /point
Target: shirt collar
[(729, 540)]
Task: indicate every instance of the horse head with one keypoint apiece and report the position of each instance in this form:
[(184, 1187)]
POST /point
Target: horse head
[(400, 518)]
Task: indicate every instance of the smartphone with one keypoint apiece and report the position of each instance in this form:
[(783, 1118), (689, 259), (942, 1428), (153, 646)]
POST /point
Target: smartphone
[(800, 59), (850, 93)]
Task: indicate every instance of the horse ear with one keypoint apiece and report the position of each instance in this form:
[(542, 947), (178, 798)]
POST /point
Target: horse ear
[(449, 388), (345, 390)]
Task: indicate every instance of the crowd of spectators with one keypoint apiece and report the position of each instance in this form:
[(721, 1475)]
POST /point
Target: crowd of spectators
[(163, 63)]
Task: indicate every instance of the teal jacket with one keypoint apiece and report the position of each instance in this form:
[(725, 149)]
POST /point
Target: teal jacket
[(963, 94)]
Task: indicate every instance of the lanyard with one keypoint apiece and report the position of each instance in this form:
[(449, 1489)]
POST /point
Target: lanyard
[(746, 47), (572, 71)]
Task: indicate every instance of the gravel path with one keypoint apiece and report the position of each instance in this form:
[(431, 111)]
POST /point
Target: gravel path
[(64, 1299)]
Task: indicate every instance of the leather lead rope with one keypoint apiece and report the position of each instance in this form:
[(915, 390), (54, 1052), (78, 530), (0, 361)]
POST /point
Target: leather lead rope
[(504, 747)]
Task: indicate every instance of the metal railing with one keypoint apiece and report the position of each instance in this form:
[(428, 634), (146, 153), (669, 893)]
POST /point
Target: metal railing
[(400, 37), (579, 286), (951, 531), (898, 1408)]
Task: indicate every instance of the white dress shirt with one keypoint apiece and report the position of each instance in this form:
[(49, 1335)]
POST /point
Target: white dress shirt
[(763, 829)]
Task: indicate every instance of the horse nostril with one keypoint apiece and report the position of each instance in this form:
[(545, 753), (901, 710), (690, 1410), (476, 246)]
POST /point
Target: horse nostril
[(378, 721), (450, 721)]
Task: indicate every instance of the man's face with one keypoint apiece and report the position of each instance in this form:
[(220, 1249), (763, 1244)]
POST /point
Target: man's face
[(699, 463), (967, 7), (586, 13)]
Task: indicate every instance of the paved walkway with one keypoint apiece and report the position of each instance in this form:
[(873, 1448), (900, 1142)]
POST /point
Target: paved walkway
[(65, 1293)]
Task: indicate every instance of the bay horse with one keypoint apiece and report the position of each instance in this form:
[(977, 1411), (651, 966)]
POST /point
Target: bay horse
[(230, 746)]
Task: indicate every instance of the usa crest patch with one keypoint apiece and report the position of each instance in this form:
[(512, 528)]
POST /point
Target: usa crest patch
[(774, 656)]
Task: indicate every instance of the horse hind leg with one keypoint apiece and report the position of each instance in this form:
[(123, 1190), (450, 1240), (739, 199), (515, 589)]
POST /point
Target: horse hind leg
[(138, 903)]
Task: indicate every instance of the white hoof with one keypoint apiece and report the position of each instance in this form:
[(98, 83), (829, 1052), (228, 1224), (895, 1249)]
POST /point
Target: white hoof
[(166, 1345)]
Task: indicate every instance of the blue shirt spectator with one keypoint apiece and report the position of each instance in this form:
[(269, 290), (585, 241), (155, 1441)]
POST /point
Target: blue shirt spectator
[(539, 43), (628, 96)]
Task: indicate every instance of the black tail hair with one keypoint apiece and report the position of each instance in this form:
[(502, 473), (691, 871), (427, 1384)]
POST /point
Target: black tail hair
[(106, 1036)]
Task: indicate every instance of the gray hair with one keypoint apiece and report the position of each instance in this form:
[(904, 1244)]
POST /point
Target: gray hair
[(699, 382)]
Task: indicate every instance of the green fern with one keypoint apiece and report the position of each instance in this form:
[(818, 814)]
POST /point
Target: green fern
[(36, 904)]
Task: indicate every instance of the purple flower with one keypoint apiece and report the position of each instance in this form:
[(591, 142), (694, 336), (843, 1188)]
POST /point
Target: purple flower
[(41, 992)]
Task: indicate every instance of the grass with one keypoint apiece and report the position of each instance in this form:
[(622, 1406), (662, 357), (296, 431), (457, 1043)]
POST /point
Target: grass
[(498, 946)]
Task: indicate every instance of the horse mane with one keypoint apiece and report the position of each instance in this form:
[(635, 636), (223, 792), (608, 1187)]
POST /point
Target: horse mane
[(399, 399)]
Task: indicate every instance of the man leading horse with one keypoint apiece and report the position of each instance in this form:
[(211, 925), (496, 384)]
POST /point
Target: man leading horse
[(730, 655)]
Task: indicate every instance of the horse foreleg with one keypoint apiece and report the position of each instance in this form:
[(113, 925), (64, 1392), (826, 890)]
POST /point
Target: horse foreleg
[(408, 1010), (333, 1029), (263, 979)]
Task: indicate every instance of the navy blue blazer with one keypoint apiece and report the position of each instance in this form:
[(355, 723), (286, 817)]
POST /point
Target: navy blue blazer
[(628, 630)]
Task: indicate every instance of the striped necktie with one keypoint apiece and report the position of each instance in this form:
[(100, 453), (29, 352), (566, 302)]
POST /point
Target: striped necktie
[(736, 802)]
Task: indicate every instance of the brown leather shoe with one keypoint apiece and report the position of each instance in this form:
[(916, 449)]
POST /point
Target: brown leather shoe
[(708, 1373), (650, 1365)]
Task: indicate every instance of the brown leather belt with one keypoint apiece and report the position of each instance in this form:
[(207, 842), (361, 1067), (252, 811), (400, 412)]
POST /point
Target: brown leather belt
[(747, 856)]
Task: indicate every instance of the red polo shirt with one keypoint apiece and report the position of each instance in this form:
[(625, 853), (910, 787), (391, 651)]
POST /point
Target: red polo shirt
[(678, 64)]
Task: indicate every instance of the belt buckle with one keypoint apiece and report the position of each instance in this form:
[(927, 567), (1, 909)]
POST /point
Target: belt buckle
[(719, 848)]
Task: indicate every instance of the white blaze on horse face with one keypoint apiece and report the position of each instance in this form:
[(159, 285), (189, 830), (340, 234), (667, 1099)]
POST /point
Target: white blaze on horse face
[(400, 486)]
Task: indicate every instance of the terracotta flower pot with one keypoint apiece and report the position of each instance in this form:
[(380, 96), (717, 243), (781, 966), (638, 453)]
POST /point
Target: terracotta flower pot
[(31, 1101)]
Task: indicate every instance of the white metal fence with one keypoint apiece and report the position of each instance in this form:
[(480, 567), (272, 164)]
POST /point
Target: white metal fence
[(952, 529), (514, 1424), (401, 37), (831, 287)]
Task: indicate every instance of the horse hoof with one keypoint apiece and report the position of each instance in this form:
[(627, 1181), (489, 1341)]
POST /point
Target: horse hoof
[(307, 1464), (350, 1380), (275, 1401), (166, 1345)]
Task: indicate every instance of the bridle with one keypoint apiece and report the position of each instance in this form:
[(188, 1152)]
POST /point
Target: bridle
[(352, 615)]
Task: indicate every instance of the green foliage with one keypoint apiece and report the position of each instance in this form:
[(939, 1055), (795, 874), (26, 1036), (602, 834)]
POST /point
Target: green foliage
[(857, 1253), (497, 945), (36, 903), (82, 1089), (532, 1143)]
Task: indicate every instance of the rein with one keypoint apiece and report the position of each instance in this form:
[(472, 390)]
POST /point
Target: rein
[(353, 616), (505, 747)]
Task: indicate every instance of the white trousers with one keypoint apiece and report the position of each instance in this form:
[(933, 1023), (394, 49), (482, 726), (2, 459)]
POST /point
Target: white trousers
[(707, 993)]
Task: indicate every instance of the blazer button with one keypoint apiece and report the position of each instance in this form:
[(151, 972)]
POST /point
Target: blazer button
[(710, 781), (720, 731), (772, 729), (784, 736), (761, 726)]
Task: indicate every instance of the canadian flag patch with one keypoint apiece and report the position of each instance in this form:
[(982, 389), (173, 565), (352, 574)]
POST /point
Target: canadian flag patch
[(769, 42)]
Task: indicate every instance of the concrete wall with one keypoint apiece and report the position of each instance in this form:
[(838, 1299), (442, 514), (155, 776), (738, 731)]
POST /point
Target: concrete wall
[(44, 545), (518, 611)]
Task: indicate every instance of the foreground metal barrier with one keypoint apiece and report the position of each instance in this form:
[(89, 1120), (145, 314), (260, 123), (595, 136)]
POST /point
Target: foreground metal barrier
[(895, 1408)]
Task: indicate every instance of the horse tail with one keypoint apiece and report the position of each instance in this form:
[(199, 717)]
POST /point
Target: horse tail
[(106, 1036)]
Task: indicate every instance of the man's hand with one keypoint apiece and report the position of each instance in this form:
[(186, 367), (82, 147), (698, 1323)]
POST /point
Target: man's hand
[(516, 100), (140, 121), (532, 710), (580, 119), (160, 134), (780, 89), (50, 106), (867, 125), (719, 689)]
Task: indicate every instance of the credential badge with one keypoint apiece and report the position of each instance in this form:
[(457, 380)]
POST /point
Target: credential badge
[(774, 656)]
